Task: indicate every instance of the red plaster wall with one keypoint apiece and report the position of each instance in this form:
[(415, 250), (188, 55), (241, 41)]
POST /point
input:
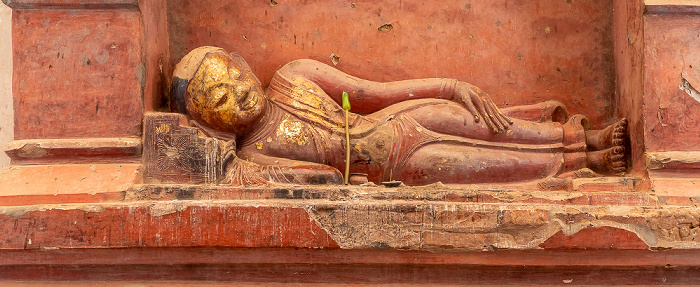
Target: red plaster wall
[(134, 226), (629, 43), (595, 238), (77, 73), (518, 51), (671, 50), (157, 53)]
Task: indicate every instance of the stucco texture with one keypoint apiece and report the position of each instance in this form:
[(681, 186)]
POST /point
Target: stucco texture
[(6, 113)]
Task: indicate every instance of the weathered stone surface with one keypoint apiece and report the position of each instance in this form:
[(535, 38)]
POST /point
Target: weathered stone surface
[(77, 73), (628, 31), (174, 153), (595, 238), (158, 71), (70, 4), (349, 224), (673, 160), (429, 193), (510, 226), (86, 150), (159, 224), (672, 120)]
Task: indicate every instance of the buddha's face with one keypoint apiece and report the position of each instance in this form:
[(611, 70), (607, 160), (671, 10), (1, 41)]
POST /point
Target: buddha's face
[(225, 95)]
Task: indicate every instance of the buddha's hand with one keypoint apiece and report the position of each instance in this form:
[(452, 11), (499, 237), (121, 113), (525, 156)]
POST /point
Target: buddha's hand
[(480, 105)]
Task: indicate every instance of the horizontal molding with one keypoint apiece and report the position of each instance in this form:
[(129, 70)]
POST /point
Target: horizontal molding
[(672, 6), (81, 150), (72, 4), (673, 160)]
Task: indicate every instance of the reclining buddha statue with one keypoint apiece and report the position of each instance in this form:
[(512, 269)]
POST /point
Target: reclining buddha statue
[(415, 131)]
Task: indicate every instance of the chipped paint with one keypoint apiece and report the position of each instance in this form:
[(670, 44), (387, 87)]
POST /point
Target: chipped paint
[(293, 131), (17, 211), (303, 94), (165, 208), (408, 225), (354, 220)]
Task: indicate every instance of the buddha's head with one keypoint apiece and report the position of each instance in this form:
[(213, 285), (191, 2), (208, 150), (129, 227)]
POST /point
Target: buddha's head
[(218, 89)]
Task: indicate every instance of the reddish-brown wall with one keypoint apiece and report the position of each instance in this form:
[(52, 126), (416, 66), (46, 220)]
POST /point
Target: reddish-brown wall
[(671, 52), (77, 73), (6, 109), (157, 53), (629, 43), (518, 51)]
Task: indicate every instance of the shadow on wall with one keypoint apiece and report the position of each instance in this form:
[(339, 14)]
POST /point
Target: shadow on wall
[(6, 111)]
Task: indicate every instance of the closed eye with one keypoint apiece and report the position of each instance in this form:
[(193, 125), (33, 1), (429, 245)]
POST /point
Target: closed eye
[(218, 95), (221, 100)]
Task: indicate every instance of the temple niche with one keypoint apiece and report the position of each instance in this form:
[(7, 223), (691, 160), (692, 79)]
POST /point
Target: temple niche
[(161, 131), (419, 131)]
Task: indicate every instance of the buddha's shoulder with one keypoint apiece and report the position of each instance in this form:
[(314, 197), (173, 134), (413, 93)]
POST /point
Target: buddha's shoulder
[(302, 66)]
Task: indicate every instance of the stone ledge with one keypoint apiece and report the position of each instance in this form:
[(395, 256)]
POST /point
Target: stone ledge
[(72, 4), (377, 224), (429, 193), (672, 6), (673, 159), (324, 267), (221, 255), (79, 150)]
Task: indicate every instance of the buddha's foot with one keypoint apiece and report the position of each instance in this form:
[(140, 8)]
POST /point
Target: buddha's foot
[(610, 161), (612, 136)]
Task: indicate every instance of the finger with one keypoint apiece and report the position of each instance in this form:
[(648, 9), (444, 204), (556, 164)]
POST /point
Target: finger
[(494, 118), (497, 118), (501, 117), (479, 104), (507, 120), (489, 122), (472, 109), (504, 121)]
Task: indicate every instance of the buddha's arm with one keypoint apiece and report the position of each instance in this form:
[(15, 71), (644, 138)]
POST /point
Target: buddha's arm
[(369, 96), (260, 169)]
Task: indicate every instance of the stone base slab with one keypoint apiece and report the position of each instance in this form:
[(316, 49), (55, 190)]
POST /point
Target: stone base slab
[(337, 267), (353, 224)]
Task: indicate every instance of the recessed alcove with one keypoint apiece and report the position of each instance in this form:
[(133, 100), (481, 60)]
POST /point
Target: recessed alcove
[(77, 201)]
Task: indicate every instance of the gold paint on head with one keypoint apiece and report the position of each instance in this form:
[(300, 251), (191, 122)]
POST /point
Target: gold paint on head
[(293, 131), (223, 94)]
